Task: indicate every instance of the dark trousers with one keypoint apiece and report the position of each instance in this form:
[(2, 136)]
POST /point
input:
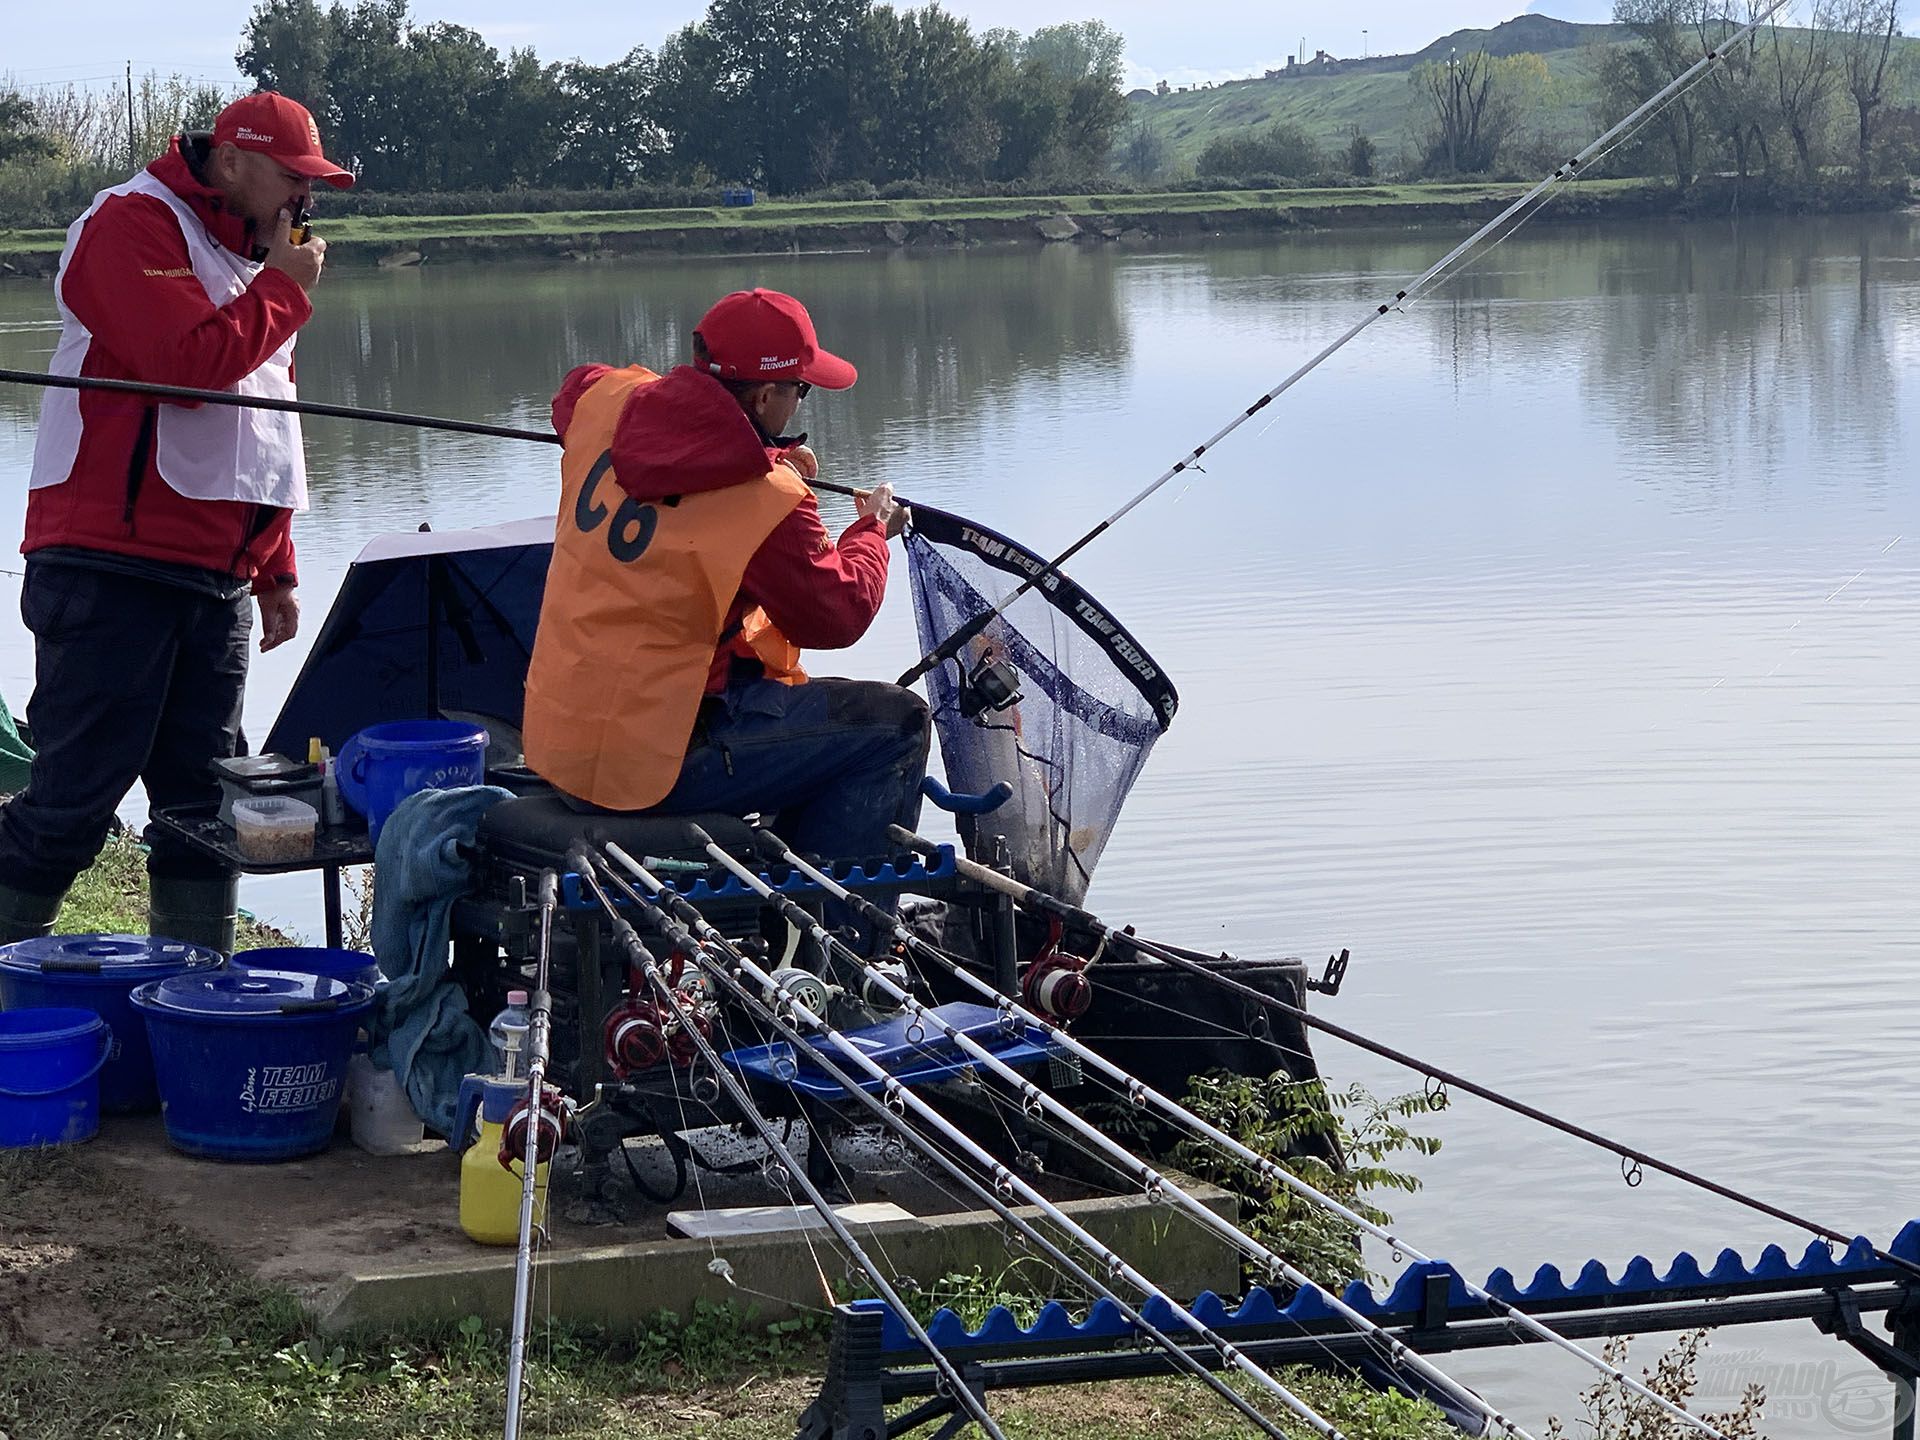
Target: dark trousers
[(830, 763), (134, 679)]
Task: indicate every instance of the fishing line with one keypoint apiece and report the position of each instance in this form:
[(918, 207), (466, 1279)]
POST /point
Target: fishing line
[(1568, 169), (1082, 919), (672, 927), (638, 955), (1156, 1186)]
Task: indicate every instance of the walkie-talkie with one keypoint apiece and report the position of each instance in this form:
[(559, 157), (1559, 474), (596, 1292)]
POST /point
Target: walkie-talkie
[(302, 225)]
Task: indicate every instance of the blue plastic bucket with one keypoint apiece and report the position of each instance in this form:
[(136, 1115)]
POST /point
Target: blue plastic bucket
[(355, 966), (251, 1066), (50, 1063), (96, 972), (384, 764)]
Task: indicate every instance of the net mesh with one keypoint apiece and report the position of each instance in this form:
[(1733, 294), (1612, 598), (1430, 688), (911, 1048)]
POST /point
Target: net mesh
[(1091, 702)]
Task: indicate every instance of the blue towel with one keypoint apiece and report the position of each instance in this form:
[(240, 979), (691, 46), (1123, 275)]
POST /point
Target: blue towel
[(421, 1028)]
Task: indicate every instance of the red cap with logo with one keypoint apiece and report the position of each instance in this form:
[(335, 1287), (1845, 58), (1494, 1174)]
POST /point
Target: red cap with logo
[(274, 125), (764, 335)]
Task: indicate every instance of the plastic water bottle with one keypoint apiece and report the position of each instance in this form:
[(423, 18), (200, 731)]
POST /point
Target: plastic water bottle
[(509, 1033)]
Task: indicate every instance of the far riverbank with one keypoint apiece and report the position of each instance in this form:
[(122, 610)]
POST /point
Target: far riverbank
[(780, 226)]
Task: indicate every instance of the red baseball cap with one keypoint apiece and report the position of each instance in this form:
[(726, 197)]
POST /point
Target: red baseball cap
[(764, 335), (274, 125)]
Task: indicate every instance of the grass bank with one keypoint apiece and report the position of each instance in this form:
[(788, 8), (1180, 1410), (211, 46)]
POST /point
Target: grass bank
[(116, 1324), (111, 898), (880, 224)]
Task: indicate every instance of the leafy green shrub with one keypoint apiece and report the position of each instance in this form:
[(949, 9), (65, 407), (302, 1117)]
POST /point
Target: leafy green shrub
[(1281, 1117)]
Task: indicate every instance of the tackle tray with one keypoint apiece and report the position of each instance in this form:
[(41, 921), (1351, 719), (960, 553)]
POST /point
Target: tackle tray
[(891, 1045)]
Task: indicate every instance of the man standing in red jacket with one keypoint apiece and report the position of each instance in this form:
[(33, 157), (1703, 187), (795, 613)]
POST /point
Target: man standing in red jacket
[(149, 523)]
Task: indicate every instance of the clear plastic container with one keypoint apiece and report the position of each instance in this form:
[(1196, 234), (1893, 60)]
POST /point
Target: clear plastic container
[(382, 1117), (509, 1034), (274, 828)]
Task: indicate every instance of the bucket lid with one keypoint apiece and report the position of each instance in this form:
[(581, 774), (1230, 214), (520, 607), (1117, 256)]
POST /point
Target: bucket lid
[(126, 959), (36, 1027), (228, 994)]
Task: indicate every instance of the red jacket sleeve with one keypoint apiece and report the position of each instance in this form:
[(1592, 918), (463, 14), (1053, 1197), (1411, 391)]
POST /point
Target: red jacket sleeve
[(571, 389), (275, 548), (823, 596), (131, 284)]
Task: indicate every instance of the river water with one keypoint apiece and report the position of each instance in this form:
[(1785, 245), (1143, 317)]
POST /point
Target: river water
[(1552, 648)]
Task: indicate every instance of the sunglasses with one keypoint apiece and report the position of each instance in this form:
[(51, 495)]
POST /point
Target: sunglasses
[(801, 389)]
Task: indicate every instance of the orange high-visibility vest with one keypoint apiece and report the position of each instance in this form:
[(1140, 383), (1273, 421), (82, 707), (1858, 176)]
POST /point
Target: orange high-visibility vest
[(636, 599)]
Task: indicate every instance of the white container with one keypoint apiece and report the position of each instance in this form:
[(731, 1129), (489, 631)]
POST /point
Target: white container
[(274, 828), (382, 1118)]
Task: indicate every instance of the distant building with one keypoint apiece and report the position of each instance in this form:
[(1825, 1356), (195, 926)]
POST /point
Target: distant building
[(1162, 88)]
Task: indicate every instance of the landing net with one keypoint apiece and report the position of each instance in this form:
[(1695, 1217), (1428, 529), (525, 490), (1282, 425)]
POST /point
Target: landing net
[(1091, 703)]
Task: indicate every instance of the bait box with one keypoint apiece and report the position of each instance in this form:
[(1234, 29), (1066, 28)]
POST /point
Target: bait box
[(251, 776)]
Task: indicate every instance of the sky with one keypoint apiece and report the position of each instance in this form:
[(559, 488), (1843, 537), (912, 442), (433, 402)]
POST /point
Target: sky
[(1196, 40)]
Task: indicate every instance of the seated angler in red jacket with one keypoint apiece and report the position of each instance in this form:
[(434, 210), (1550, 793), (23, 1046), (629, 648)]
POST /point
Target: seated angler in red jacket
[(689, 568), (149, 523)]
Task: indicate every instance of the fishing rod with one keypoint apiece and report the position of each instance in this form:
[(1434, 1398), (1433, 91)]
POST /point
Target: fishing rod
[(582, 864), (1411, 292), (1004, 1179), (684, 943), (1036, 1101), (1139, 1093), (541, 1132), (1082, 919), (191, 395), (1274, 1264)]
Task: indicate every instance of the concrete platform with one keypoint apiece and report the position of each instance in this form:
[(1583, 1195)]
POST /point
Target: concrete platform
[(373, 1241)]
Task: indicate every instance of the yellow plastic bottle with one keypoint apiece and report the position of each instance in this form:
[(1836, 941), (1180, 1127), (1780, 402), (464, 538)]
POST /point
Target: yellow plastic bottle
[(489, 1192)]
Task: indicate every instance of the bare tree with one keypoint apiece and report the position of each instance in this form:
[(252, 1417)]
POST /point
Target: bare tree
[(1473, 102), (1805, 76), (1661, 49), (1866, 30), (1734, 98)]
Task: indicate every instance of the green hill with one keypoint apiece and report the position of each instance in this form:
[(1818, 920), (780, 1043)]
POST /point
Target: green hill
[(1329, 98)]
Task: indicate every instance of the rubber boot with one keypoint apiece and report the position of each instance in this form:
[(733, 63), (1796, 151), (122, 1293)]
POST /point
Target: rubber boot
[(25, 916), (199, 910)]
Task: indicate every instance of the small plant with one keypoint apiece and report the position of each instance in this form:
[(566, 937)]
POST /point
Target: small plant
[(1287, 1119), (1616, 1413), (972, 1294), (717, 1340)]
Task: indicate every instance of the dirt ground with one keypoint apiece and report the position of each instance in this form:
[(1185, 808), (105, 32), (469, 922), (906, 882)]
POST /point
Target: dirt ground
[(305, 1223)]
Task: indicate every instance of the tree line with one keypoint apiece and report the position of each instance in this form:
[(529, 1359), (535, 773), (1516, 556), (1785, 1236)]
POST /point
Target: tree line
[(786, 95)]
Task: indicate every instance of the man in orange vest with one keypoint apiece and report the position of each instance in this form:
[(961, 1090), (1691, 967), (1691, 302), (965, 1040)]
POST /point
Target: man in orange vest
[(689, 567)]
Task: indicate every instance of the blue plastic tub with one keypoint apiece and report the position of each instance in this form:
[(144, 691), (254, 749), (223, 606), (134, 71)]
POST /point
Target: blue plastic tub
[(50, 1063), (251, 1066), (384, 764), (355, 966), (96, 972)]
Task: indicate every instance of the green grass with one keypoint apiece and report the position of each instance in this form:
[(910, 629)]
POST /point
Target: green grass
[(111, 898), (391, 230)]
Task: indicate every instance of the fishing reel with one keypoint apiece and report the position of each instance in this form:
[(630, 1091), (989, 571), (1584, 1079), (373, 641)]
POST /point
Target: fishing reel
[(1055, 983), (874, 995), (641, 1033), (549, 1120), (793, 987), (992, 684)]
